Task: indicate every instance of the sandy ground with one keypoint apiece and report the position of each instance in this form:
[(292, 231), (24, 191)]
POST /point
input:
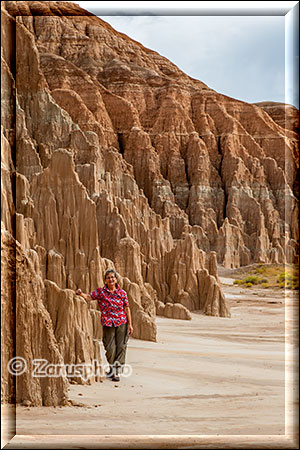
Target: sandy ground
[(207, 376)]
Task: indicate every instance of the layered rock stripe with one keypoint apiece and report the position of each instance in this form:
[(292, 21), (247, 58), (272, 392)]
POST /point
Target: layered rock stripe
[(114, 158)]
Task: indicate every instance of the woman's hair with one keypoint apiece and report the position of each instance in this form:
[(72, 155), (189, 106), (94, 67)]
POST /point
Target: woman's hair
[(110, 271)]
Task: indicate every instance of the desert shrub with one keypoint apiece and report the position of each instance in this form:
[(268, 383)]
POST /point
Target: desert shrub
[(271, 275), (295, 281), (249, 285), (288, 280), (251, 279), (263, 280), (284, 276)]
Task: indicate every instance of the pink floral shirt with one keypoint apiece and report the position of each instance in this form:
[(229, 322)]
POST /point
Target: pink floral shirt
[(111, 305)]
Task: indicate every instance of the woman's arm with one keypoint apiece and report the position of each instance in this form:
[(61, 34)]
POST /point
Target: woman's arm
[(128, 313), (87, 297)]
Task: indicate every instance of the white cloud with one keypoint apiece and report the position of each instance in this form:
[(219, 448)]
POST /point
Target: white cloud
[(239, 56), (242, 57)]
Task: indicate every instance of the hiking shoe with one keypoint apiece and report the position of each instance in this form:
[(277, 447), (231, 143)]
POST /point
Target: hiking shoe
[(115, 378)]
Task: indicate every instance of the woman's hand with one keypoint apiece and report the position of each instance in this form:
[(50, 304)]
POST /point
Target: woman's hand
[(86, 297)]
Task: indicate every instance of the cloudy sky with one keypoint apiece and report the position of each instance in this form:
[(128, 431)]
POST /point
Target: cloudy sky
[(242, 56)]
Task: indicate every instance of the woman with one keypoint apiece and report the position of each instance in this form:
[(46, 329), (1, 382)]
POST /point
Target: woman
[(115, 320)]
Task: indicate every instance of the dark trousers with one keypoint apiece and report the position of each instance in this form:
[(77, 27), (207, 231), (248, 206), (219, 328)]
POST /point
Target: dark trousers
[(115, 344)]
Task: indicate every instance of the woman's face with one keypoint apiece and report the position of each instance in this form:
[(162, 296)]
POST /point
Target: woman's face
[(110, 280)]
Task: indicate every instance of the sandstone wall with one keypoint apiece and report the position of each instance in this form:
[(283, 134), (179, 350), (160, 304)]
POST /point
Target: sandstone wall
[(114, 158), (200, 158), (287, 116)]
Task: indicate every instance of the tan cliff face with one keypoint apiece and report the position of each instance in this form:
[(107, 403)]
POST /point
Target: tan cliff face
[(114, 158), (199, 157), (287, 116)]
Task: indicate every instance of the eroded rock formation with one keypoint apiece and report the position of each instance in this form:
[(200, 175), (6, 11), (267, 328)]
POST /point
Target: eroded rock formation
[(287, 116), (114, 158), (198, 156)]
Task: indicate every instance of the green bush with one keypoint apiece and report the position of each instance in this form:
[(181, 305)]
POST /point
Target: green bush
[(288, 281), (267, 276), (251, 279), (284, 276), (263, 280)]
